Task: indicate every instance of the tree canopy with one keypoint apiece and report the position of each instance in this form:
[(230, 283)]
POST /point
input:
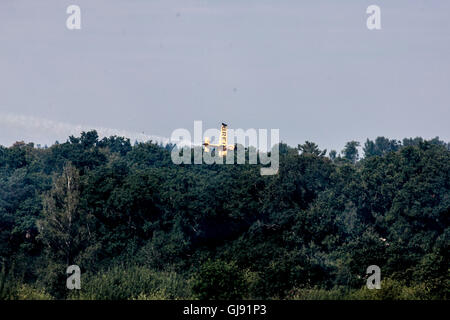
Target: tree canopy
[(140, 226)]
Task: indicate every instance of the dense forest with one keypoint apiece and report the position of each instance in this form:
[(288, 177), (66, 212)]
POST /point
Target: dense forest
[(141, 227)]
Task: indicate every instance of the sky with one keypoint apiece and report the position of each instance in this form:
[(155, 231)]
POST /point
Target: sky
[(143, 68)]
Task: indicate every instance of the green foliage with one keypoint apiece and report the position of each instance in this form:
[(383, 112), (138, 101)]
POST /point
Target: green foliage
[(65, 228), (120, 283), (350, 151), (139, 226), (27, 292), (311, 148), (219, 280), (392, 290), (7, 284), (12, 288), (380, 147)]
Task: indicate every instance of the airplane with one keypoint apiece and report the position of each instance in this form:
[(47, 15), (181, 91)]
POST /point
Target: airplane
[(223, 146)]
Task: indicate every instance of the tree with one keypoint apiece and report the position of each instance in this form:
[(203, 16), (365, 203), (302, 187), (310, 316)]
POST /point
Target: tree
[(311, 148), (64, 228), (226, 230), (350, 151), (380, 147), (116, 144), (219, 280), (89, 139), (332, 155)]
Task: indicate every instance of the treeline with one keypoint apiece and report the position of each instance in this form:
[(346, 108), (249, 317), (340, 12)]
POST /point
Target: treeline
[(141, 227)]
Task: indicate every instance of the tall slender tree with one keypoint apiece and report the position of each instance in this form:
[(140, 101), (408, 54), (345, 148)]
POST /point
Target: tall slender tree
[(64, 228)]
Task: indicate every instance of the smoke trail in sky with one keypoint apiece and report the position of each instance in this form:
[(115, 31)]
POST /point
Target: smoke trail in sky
[(45, 129)]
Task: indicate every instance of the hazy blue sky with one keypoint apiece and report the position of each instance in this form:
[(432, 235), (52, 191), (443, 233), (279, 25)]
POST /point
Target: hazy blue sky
[(310, 68)]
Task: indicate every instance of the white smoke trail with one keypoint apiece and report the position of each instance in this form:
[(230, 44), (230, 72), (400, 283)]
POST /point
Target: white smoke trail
[(54, 129)]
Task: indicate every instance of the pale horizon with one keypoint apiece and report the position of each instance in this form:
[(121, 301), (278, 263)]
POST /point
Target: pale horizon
[(314, 71)]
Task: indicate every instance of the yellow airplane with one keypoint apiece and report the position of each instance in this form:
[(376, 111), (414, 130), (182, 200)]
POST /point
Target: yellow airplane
[(223, 146)]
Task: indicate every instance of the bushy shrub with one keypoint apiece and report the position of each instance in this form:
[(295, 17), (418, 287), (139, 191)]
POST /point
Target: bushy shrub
[(392, 290), (27, 292), (316, 294), (136, 282), (219, 280)]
